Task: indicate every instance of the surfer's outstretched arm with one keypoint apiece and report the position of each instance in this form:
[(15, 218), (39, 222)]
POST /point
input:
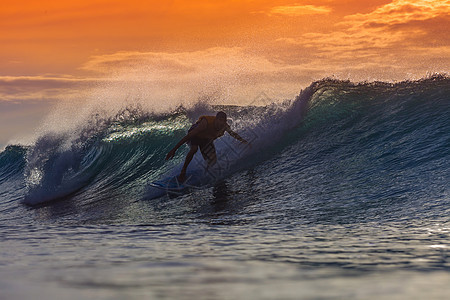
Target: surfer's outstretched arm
[(236, 136)]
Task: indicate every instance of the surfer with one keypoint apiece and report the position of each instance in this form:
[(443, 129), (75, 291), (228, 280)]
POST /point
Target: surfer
[(202, 135)]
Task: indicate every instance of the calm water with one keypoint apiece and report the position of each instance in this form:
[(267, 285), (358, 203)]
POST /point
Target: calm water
[(208, 260)]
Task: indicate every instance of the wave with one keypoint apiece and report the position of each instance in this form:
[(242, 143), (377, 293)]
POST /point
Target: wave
[(377, 126)]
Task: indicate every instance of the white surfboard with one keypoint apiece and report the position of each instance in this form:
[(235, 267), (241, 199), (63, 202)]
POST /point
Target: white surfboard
[(174, 186)]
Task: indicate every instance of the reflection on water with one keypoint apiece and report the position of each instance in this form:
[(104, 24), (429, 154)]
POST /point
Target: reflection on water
[(203, 261), (220, 194)]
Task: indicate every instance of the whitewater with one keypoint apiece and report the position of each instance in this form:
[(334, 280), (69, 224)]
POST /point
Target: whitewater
[(344, 194)]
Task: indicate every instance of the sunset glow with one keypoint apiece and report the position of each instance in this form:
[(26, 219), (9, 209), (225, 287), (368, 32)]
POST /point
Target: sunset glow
[(50, 47)]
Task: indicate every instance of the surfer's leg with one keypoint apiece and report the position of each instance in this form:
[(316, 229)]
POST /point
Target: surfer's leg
[(187, 161), (209, 153)]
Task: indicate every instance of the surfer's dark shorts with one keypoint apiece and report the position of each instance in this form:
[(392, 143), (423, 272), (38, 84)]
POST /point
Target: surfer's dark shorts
[(206, 147)]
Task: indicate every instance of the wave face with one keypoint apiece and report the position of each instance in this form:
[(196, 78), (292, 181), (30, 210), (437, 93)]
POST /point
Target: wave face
[(341, 148)]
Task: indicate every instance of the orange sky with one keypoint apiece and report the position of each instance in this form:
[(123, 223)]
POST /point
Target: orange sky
[(51, 48)]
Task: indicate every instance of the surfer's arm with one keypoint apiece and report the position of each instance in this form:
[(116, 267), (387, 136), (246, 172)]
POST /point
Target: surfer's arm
[(201, 126), (236, 136)]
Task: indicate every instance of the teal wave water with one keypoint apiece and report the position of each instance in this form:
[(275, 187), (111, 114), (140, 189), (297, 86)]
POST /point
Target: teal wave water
[(347, 179), (375, 139)]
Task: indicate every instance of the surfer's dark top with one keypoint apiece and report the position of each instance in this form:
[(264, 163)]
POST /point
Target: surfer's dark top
[(210, 133)]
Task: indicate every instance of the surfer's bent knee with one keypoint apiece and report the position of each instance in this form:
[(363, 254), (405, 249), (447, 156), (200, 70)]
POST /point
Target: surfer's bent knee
[(194, 148)]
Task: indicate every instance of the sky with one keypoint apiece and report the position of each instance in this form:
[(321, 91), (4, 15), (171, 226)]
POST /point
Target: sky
[(53, 51)]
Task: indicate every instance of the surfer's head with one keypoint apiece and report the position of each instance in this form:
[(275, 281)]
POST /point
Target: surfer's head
[(221, 119), (221, 115)]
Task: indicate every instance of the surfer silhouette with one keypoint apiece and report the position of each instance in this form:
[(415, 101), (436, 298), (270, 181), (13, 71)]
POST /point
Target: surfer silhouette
[(202, 135)]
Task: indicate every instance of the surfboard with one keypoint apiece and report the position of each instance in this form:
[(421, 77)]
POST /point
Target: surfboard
[(174, 186)]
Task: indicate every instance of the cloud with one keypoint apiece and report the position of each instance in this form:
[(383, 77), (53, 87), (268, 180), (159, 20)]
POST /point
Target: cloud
[(213, 67), (219, 62), (187, 75), (234, 74), (43, 80), (398, 12), (299, 10), (396, 39), (43, 88), (129, 62)]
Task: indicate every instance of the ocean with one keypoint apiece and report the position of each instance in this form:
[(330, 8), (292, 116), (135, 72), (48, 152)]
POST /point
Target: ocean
[(343, 194)]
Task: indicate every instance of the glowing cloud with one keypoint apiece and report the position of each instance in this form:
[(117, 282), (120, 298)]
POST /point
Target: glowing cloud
[(299, 10), (400, 12), (393, 39)]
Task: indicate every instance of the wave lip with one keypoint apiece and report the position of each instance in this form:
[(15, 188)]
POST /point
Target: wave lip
[(55, 169)]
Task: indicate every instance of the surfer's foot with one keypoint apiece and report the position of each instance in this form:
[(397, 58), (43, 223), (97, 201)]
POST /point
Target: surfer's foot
[(182, 177)]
